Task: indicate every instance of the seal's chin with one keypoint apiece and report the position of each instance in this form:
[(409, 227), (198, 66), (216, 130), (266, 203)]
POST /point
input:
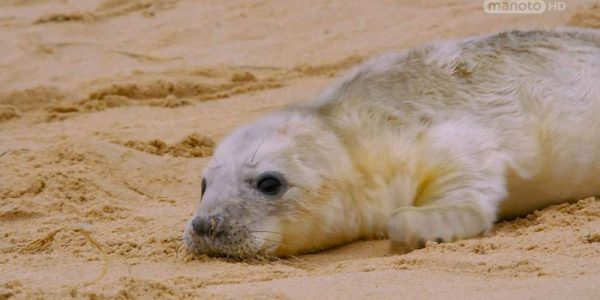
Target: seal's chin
[(247, 247), (194, 244)]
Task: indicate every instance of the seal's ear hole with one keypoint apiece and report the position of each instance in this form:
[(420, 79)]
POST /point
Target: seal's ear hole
[(270, 184), (203, 187)]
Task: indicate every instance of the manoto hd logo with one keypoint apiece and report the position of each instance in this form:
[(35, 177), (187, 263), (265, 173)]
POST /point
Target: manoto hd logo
[(522, 6)]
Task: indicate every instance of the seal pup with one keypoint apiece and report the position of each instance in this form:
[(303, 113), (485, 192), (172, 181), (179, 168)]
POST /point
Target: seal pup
[(432, 144)]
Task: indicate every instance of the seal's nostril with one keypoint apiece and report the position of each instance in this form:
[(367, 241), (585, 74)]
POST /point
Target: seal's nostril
[(200, 226), (207, 226)]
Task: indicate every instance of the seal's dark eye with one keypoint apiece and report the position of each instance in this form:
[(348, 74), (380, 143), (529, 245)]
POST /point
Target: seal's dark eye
[(269, 185), (203, 186)]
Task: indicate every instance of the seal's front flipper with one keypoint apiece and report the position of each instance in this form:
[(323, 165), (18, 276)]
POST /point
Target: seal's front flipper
[(457, 189), (411, 227)]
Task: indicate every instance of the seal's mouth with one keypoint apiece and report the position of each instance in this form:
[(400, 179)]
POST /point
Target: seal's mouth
[(235, 244)]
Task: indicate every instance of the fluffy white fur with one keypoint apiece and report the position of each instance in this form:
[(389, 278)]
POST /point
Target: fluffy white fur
[(435, 143)]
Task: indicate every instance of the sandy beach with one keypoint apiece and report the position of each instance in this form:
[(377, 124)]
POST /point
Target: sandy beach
[(110, 110)]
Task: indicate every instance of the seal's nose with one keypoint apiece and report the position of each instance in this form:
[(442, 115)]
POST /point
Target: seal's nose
[(206, 226)]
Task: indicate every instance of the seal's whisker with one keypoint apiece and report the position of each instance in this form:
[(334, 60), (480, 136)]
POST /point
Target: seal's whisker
[(260, 258), (177, 250), (278, 259), (259, 231), (243, 226), (271, 247), (298, 259), (268, 240), (251, 162)]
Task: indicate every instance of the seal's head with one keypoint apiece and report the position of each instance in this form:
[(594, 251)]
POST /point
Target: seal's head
[(271, 189)]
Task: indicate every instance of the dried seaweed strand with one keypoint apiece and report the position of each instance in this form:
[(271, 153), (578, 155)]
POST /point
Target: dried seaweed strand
[(41, 243), (87, 235), (44, 242)]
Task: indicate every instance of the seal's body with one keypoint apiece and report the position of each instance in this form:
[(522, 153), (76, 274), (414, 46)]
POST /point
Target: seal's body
[(434, 143)]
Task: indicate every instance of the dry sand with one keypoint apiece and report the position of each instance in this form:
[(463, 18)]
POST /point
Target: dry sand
[(108, 113)]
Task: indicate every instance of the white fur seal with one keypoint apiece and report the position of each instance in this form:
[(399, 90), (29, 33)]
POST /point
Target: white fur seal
[(434, 143)]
